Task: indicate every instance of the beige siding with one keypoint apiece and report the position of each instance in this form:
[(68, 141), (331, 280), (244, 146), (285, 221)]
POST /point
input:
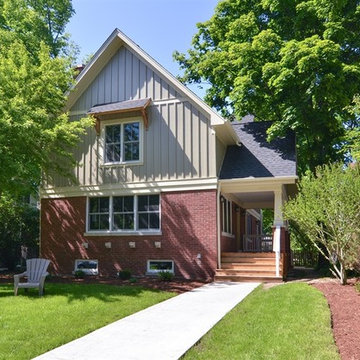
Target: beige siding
[(125, 77), (179, 143)]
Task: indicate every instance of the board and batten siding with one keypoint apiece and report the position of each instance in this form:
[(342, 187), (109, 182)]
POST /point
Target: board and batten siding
[(179, 142), (124, 77)]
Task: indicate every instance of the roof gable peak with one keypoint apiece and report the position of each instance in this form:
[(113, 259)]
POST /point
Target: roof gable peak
[(112, 44)]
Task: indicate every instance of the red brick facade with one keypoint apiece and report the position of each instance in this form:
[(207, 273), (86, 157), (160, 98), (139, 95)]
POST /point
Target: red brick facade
[(189, 237)]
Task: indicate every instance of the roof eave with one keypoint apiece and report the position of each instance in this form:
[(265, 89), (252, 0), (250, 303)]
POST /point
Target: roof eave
[(289, 179), (226, 133)]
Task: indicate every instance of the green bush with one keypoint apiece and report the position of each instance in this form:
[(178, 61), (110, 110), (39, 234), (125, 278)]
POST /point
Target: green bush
[(133, 280), (79, 274), (165, 275), (124, 274)]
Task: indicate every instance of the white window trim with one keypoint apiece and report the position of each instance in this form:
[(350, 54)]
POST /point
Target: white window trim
[(152, 272), (87, 271), (89, 232), (223, 209), (121, 122)]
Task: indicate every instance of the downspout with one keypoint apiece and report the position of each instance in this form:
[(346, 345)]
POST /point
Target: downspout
[(218, 225)]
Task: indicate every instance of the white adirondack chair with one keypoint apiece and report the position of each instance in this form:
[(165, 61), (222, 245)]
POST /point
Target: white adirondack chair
[(35, 273)]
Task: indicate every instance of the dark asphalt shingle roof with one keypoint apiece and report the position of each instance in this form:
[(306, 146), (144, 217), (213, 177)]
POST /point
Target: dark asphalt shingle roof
[(119, 106), (256, 157)]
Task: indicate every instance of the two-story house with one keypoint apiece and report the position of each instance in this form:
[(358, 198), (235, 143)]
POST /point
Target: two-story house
[(163, 181)]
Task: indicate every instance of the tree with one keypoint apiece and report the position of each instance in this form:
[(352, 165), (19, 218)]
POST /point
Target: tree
[(327, 210), (352, 136), (38, 21), (296, 63), (19, 225), (36, 136)]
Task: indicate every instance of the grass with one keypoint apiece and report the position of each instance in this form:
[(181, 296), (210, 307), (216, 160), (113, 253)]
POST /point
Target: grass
[(290, 321), (30, 326)]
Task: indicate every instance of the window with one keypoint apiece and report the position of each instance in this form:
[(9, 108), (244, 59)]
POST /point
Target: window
[(156, 266), (124, 213), (89, 267), (148, 210), (226, 216), (99, 213), (122, 143)]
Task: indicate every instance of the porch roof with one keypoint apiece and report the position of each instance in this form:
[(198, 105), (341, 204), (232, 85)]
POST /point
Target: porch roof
[(255, 157)]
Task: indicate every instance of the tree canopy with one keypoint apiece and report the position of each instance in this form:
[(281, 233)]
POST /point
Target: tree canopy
[(35, 74), (296, 63), (38, 21), (327, 211)]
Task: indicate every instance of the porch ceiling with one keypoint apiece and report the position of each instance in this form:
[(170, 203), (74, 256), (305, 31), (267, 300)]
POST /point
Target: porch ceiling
[(255, 200)]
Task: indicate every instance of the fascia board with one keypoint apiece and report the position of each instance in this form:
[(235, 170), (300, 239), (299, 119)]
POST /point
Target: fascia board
[(279, 179), (226, 133)]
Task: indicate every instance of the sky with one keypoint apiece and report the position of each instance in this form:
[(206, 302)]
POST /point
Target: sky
[(158, 26)]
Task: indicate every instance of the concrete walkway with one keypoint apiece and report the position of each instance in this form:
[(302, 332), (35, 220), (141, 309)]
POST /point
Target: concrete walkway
[(163, 331)]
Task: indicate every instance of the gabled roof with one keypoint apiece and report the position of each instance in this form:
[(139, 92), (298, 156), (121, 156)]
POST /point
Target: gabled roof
[(257, 158), (109, 48)]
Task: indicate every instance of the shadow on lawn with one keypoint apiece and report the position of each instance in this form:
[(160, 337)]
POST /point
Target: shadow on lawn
[(76, 292)]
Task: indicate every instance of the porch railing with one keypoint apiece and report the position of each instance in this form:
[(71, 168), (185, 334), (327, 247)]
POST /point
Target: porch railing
[(304, 258), (258, 243)]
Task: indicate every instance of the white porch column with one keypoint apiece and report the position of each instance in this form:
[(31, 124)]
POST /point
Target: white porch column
[(278, 223), (278, 204), (276, 248)]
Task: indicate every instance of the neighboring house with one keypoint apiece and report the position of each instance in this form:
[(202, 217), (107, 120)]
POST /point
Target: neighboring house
[(164, 182)]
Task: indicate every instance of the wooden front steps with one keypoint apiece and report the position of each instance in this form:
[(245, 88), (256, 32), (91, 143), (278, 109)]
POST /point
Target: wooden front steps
[(246, 266)]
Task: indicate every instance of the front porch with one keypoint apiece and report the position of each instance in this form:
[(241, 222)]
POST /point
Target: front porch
[(246, 252)]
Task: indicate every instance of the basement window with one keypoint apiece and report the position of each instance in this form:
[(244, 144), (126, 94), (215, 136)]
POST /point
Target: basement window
[(156, 266), (89, 267)]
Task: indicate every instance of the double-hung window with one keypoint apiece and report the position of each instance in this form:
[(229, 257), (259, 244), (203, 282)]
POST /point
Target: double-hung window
[(122, 142), (124, 213)]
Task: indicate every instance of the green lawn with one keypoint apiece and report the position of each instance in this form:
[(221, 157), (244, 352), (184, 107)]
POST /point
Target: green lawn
[(30, 326), (288, 322)]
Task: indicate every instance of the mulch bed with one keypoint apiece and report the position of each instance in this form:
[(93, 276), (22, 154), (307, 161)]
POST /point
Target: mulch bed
[(344, 302), (177, 286)]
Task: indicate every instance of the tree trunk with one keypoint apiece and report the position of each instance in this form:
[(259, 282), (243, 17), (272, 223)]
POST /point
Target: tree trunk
[(343, 276)]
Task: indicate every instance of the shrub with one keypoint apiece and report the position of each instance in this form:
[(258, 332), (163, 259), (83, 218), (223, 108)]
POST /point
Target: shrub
[(327, 210), (133, 280), (79, 274), (124, 274), (165, 275)]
